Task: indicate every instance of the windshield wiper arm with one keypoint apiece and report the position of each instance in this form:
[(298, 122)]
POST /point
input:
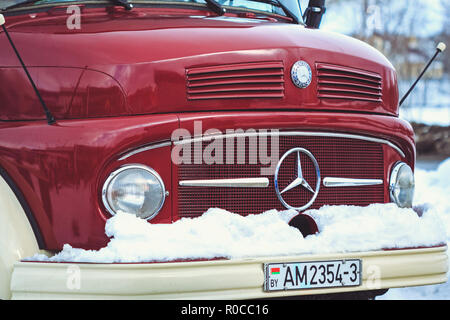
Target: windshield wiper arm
[(286, 11), (123, 3), (19, 4), (216, 7)]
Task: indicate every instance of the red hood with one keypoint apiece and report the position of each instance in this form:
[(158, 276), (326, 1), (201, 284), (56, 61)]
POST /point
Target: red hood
[(137, 62)]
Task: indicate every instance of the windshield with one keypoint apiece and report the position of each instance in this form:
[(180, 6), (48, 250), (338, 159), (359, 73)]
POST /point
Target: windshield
[(262, 5)]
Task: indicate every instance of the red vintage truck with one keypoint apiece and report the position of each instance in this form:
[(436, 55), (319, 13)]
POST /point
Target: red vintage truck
[(91, 95)]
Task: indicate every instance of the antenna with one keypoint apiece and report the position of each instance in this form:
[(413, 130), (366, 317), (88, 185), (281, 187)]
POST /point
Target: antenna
[(439, 48), (50, 119)]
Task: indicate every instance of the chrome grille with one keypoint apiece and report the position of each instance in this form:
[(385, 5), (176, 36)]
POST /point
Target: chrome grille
[(337, 157)]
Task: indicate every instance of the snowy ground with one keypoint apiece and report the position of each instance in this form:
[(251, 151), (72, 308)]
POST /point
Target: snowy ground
[(432, 187), (439, 116), (219, 233)]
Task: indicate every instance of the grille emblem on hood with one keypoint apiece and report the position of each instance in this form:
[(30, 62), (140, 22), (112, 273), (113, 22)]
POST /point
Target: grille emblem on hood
[(301, 74)]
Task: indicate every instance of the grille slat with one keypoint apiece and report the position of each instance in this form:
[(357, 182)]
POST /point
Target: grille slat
[(337, 157), (351, 84), (234, 74), (242, 80), (237, 95), (252, 80), (348, 91), (237, 88), (347, 78), (236, 67), (338, 82), (346, 71)]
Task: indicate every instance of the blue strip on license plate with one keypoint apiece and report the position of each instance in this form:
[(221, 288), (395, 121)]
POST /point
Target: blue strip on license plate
[(312, 275)]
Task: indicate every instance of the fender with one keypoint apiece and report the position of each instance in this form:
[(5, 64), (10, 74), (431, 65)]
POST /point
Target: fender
[(17, 236)]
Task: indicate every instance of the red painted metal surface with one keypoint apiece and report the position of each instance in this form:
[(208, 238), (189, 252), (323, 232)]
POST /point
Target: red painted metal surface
[(144, 55), (60, 169), (123, 81)]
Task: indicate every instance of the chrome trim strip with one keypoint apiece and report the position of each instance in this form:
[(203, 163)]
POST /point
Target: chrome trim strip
[(143, 149), (290, 134), (344, 182), (228, 183)]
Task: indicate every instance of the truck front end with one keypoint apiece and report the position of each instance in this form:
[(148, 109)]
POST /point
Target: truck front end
[(167, 109)]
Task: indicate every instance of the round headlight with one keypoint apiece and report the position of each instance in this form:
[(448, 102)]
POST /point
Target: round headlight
[(401, 186), (135, 189)]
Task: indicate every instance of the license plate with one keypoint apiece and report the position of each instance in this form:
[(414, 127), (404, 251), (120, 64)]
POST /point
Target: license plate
[(312, 275)]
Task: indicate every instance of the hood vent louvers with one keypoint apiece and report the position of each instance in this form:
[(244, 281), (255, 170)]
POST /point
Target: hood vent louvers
[(250, 80), (338, 82)]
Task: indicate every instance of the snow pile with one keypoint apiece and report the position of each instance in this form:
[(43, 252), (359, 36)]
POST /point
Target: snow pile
[(378, 226), (219, 233), (432, 192)]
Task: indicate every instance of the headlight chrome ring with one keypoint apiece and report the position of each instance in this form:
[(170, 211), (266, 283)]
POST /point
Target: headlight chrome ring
[(136, 189), (401, 185)]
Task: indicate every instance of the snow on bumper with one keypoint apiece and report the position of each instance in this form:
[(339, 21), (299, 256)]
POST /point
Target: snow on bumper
[(222, 234), (215, 279)]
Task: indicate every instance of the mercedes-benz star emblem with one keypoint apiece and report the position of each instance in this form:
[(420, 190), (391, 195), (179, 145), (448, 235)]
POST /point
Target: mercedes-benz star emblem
[(301, 74), (299, 180)]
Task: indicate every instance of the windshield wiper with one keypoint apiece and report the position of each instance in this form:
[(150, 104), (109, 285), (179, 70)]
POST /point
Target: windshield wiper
[(216, 7), (286, 11), (122, 3), (19, 4)]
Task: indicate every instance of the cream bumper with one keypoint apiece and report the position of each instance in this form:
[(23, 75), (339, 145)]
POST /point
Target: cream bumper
[(218, 279)]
